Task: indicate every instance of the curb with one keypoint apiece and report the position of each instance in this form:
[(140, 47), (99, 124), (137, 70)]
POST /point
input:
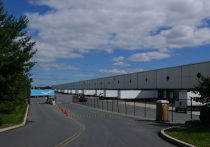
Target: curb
[(19, 125), (174, 140)]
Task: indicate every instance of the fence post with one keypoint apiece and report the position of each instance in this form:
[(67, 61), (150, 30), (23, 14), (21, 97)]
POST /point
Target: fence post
[(97, 104), (118, 107), (191, 109), (172, 115), (107, 107), (145, 109), (90, 102), (134, 107), (112, 105), (125, 108), (102, 104)]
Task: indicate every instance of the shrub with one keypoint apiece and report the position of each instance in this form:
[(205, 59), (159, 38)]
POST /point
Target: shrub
[(7, 107), (1, 121), (205, 114)]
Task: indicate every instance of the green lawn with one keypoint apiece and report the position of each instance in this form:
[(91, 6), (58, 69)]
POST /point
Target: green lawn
[(198, 135), (14, 118)]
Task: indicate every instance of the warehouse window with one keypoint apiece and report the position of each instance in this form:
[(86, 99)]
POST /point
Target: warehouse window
[(167, 78), (198, 75)]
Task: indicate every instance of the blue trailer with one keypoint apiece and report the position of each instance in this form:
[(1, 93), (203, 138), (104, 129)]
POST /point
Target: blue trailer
[(48, 94), (42, 93)]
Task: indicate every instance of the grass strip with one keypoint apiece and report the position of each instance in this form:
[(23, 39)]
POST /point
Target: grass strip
[(198, 135), (14, 118)]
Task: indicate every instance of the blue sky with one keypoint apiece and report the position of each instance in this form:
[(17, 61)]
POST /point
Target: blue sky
[(78, 41)]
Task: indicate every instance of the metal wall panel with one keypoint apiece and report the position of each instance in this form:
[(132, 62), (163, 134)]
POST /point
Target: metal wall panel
[(169, 78), (93, 84), (76, 86), (67, 86), (88, 85), (191, 74), (130, 81), (80, 85), (118, 82), (147, 80), (73, 86), (100, 84), (109, 83), (181, 77), (85, 85)]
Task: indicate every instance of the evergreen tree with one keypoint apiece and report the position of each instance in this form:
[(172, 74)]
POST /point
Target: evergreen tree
[(16, 51)]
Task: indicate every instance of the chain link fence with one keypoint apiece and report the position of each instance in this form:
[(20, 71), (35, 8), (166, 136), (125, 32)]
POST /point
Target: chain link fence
[(178, 112)]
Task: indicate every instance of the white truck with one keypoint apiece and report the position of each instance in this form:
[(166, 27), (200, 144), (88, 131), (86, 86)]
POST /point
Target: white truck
[(185, 101), (65, 91), (138, 94)]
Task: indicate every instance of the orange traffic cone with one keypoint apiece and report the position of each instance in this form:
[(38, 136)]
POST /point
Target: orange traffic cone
[(66, 113)]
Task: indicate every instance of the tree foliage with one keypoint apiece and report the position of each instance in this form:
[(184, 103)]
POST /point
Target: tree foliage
[(203, 89), (42, 87), (16, 51)]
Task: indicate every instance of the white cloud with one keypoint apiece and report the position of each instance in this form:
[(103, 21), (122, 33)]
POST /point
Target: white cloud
[(75, 27), (48, 52), (148, 56), (118, 59), (54, 66), (121, 64), (119, 71), (113, 71)]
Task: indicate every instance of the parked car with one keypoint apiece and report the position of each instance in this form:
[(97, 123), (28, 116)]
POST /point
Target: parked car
[(82, 98)]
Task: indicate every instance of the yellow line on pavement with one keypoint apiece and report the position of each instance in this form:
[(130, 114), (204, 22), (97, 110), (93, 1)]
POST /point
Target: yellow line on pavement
[(76, 134)]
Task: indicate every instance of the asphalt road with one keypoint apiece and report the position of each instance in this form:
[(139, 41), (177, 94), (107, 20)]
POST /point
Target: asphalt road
[(83, 127)]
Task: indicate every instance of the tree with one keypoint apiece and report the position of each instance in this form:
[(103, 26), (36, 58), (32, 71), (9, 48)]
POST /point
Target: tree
[(203, 89), (16, 51)]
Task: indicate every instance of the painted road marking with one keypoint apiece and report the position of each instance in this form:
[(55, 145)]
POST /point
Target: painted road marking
[(75, 135)]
